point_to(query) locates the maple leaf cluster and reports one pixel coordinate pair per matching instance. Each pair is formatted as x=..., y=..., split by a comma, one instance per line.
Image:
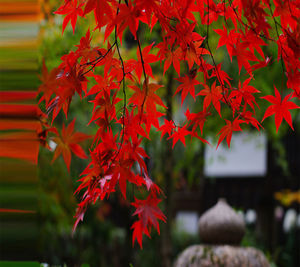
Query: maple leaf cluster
x=117, y=156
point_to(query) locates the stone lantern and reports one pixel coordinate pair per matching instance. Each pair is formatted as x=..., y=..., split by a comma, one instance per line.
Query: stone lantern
x=221, y=229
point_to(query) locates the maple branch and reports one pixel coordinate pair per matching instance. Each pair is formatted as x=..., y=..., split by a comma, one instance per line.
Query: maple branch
x=97, y=60
x=215, y=65
x=281, y=48
x=173, y=19
x=212, y=57
x=282, y=28
x=169, y=113
x=290, y=8
x=248, y=26
x=260, y=34
x=123, y=82
x=141, y=55
x=100, y=57
x=144, y=72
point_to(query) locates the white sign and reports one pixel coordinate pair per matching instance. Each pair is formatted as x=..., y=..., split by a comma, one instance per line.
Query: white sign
x=247, y=156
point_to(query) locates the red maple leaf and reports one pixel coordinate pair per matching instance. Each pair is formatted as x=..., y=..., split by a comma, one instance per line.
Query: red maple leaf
x=167, y=127
x=212, y=95
x=180, y=134
x=122, y=173
x=243, y=56
x=138, y=231
x=248, y=117
x=104, y=106
x=132, y=125
x=127, y=17
x=151, y=186
x=144, y=63
x=245, y=92
x=228, y=129
x=49, y=82
x=198, y=119
x=221, y=75
x=85, y=51
x=147, y=97
x=293, y=83
x=67, y=142
x=71, y=10
x=254, y=42
x=280, y=108
x=171, y=57
x=288, y=12
x=136, y=152
x=102, y=10
x=187, y=86
x=149, y=214
x=227, y=39
x=261, y=64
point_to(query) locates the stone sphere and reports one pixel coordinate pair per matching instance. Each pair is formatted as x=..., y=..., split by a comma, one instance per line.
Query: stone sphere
x=221, y=225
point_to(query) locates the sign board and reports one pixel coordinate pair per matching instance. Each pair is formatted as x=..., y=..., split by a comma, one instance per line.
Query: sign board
x=246, y=157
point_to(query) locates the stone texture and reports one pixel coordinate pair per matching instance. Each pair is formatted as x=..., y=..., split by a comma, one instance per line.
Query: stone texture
x=217, y=256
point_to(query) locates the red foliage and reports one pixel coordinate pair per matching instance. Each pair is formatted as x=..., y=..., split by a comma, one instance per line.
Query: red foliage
x=67, y=142
x=247, y=28
x=280, y=108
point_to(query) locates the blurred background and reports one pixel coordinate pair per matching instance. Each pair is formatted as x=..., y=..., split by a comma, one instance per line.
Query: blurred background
x=259, y=176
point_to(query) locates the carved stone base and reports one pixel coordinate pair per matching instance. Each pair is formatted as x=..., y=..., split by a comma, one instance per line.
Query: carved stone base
x=223, y=255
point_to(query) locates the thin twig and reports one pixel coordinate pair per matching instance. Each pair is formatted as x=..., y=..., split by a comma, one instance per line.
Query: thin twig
x=97, y=60
x=123, y=81
x=144, y=72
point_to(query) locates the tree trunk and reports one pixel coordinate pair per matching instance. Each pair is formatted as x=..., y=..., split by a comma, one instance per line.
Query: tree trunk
x=166, y=244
